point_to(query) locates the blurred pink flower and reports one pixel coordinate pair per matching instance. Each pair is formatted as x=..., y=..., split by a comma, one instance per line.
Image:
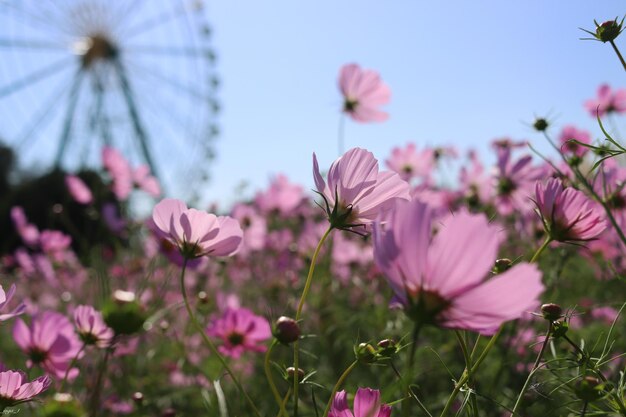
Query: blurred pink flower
x=145, y=181
x=568, y=147
x=78, y=189
x=91, y=327
x=357, y=193
x=240, y=330
x=125, y=178
x=254, y=228
x=27, y=231
x=366, y=404
x=54, y=242
x=607, y=102
x=49, y=342
x=363, y=92
x=5, y=298
x=567, y=214
x=409, y=163
x=281, y=196
x=14, y=388
x=514, y=181
x=196, y=233
x=443, y=280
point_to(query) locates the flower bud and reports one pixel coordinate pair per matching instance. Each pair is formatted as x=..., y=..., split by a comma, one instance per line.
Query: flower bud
x=138, y=398
x=608, y=31
x=291, y=374
x=387, y=348
x=502, y=265
x=589, y=389
x=365, y=353
x=203, y=297
x=123, y=313
x=286, y=330
x=551, y=311
x=540, y=124
x=168, y=412
x=62, y=405
x=559, y=328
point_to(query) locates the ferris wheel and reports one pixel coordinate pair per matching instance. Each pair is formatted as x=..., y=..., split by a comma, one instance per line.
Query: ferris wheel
x=137, y=75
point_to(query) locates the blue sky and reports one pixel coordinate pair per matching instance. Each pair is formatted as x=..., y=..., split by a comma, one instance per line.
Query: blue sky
x=461, y=73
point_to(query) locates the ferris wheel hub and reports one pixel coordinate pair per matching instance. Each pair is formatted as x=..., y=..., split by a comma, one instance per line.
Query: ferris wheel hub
x=94, y=48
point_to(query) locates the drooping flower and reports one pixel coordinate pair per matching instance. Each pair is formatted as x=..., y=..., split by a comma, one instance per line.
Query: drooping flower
x=91, y=327
x=15, y=388
x=240, y=330
x=357, y=193
x=607, y=102
x=443, y=280
x=366, y=404
x=567, y=214
x=78, y=189
x=196, y=233
x=5, y=298
x=363, y=92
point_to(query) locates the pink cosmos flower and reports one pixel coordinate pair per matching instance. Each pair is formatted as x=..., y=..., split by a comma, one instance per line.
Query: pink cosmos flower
x=607, y=102
x=49, y=342
x=409, y=163
x=514, y=181
x=14, y=388
x=363, y=93
x=366, y=404
x=570, y=132
x=567, y=214
x=281, y=196
x=54, y=242
x=443, y=280
x=91, y=328
x=240, y=330
x=145, y=181
x=254, y=228
x=357, y=193
x=5, y=298
x=78, y=189
x=125, y=178
x=196, y=233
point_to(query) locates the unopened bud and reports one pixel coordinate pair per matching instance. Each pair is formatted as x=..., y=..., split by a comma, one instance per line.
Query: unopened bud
x=286, y=330
x=138, y=398
x=387, y=347
x=291, y=374
x=559, y=329
x=551, y=311
x=540, y=124
x=502, y=265
x=365, y=353
x=168, y=412
x=203, y=297
x=123, y=313
x=589, y=389
x=608, y=31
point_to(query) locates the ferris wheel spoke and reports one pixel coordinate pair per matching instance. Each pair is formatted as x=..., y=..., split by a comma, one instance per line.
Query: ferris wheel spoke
x=35, y=77
x=170, y=50
x=42, y=115
x=101, y=121
x=154, y=22
x=123, y=14
x=32, y=18
x=69, y=116
x=32, y=44
x=173, y=83
x=137, y=123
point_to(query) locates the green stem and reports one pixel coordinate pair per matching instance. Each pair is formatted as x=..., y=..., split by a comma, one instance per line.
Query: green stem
x=532, y=371
x=270, y=380
x=210, y=344
x=465, y=376
x=584, y=410
x=72, y=363
x=619, y=55
x=468, y=366
x=284, y=401
x=95, y=397
x=305, y=292
x=543, y=247
x=338, y=385
x=411, y=360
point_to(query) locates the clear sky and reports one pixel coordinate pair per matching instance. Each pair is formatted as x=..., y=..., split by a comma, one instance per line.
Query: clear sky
x=461, y=73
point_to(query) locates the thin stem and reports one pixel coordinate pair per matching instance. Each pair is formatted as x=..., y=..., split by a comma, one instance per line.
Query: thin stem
x=406, y=383
x=305, y=292
x=284, y=401
x=619, y=55
x=468, y=366
x=465, y=376
x=584, y=410
x=270, y=380
x=338, y=385
x=210, y=344
x=543, y=246
x=532, y=371
x=72, y=363
x=95, y=397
